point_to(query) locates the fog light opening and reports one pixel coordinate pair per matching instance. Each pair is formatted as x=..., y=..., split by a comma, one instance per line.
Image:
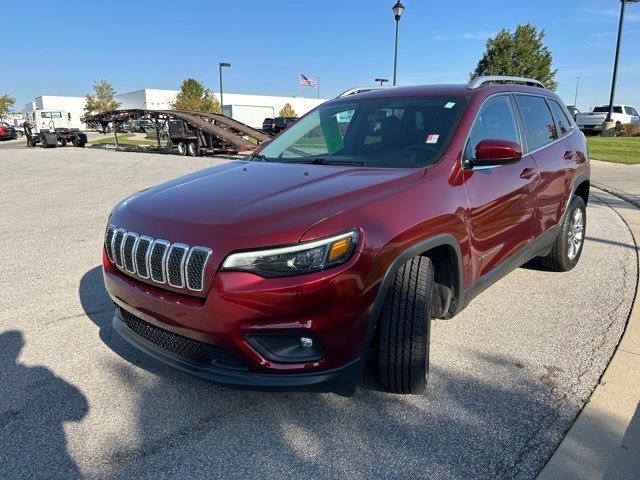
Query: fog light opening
x=286, y=348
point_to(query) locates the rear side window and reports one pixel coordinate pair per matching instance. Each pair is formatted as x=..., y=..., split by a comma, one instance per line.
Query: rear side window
x=558, y=112
x=631, y=111
x=496, y=120
x=539, y=127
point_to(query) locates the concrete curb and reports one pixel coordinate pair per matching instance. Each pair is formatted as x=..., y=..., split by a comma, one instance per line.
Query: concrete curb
x=604, y=441
x=627, y=197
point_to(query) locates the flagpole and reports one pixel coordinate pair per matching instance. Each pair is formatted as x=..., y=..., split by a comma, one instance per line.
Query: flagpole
x=318, y=86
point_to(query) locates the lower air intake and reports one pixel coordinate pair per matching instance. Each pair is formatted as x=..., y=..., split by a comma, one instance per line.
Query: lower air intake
x=187, y=348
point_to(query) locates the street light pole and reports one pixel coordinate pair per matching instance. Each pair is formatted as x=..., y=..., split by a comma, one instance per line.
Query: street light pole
x=615, y=63
x=397, y=9
x=575, y=100
x=381, y=80
x=220, y=65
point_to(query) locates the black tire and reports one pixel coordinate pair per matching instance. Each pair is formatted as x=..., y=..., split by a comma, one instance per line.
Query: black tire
x=182, y=148
x=404, y=330
x=564, y=257
x=192, y=148
x=79, y=140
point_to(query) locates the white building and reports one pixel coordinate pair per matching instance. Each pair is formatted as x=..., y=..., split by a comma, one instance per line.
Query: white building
x=72, y=105
x=249, y=109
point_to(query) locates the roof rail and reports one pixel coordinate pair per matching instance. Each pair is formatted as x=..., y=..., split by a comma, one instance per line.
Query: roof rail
x=353, y=91
x=480, y=81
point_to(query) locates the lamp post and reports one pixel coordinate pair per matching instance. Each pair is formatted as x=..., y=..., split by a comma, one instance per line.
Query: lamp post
x=381, y=80
x=221, y=65
x=575, y=99
x=398, y=8
x=615, y=63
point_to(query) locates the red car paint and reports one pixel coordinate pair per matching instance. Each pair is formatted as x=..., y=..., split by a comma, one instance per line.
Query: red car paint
x=493, y=217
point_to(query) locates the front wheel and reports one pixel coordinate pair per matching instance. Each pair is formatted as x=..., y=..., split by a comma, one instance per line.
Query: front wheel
x=405, y=322
x=567, y=248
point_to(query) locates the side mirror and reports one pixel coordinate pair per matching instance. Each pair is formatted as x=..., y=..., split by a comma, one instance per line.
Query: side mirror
x=490, y=153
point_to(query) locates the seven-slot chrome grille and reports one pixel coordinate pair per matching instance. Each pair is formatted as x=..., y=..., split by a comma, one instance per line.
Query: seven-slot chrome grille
x=175, y=264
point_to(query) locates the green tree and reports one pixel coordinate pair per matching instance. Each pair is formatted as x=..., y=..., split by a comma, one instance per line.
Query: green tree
x=521, y=54
x=6, y=105
x=194, y=96
x=287, y=111
x=102, y=100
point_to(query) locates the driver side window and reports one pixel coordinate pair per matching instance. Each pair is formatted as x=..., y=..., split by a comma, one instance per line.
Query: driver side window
x=495, y=121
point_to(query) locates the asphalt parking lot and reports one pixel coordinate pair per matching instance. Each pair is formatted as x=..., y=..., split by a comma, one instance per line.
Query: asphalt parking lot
x=508, y=375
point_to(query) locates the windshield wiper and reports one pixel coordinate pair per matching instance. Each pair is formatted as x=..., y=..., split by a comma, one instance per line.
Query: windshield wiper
x=259, y=157
x=328, y=161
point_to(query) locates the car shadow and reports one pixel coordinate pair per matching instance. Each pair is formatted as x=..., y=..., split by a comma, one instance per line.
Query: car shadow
x=34, y=406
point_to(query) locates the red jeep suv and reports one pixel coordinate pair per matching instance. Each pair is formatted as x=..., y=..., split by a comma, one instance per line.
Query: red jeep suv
x=342, y=238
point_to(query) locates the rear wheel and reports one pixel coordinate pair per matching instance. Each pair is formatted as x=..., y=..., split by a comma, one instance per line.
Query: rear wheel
x=567, y=248
x=403, y=340
x=182, y=148
x=193, y=149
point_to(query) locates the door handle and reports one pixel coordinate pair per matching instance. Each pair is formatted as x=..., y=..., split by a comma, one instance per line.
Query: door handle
x=527, y=173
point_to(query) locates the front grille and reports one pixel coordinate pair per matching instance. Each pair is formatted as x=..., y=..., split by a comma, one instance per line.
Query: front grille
x=175, y=264
x=188, y=348
x=108, y=238
x=142, y=265
x=127, y=251
x=159, y=260
x=156, y=260
x=117, y=246
x=195, y=267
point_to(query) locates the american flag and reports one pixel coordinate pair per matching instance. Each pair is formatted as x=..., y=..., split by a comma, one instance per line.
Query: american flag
x=307, y=82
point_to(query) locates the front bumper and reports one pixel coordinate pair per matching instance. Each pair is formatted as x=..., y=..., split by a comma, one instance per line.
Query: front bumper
x=326, y=380
x=333, y=307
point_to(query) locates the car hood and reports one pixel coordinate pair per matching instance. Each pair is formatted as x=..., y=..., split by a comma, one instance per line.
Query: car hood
x=242, y=204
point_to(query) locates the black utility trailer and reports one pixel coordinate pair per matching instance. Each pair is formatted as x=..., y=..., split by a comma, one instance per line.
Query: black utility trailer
x=194, y=142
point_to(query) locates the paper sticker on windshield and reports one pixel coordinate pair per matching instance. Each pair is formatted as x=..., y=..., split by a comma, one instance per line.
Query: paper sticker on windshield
x=432, y=138
x=450, y=105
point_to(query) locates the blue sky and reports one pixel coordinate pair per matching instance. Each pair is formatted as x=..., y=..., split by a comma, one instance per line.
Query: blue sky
x=157, y=44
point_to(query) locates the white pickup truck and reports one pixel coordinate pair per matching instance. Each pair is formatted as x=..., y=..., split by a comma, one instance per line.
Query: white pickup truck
x=592, y=121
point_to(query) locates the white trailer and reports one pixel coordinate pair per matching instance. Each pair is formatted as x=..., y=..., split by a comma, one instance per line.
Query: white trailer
x=252, y=115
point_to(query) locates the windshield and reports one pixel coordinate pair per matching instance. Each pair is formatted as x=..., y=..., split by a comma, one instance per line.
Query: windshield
x=378, y=132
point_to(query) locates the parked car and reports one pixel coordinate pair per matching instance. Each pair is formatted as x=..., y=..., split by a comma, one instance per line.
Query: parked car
x=347, y=234
x=573, y=111
x=125, y=127
x=592, y=121
x=143, y=125
x=16, y=128
x=276, y=125
x=7, y=132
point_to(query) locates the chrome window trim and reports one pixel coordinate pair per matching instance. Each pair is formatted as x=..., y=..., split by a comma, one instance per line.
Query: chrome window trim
x=109, y=247
x=146, y=255
x=181, y=268
x=516, y=114
x=133, y=249
x=206, y=250
x=163, y=267
x=115, y=235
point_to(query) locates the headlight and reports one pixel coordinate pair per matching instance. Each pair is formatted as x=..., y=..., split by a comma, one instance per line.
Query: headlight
x=296, y=259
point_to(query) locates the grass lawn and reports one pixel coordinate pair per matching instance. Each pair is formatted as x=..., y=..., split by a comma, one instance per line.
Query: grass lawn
x=615, y=149
x=123, y=140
